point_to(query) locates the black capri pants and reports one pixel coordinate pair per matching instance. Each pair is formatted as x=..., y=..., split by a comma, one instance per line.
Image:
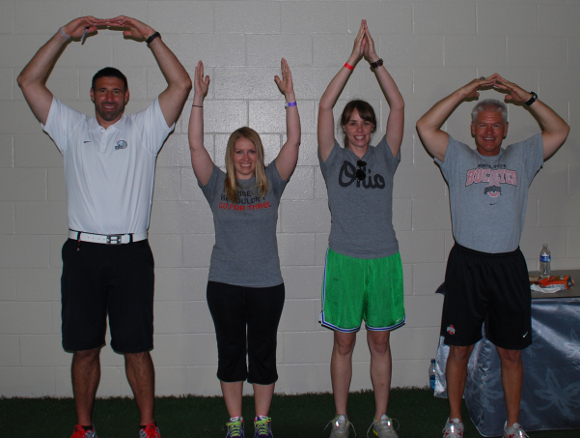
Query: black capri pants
x=246, y=322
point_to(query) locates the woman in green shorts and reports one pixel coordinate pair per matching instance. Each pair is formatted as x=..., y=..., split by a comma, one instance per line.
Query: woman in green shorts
x=363, y=278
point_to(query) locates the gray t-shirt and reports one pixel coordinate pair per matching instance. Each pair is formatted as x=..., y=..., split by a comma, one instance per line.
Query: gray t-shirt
x=488, y=195
x=245, y=251
x=362, y=211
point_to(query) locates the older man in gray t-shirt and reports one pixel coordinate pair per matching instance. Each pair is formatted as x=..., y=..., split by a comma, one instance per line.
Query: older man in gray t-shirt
x=486, y=275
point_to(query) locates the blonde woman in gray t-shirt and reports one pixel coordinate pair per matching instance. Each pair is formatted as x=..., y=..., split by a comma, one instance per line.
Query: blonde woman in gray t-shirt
x=363, y=278
x=245, y=291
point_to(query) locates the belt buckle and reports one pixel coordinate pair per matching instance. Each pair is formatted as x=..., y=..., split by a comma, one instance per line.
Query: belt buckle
x=115, y=239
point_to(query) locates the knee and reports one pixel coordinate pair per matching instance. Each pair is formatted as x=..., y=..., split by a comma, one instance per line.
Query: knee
x=87, y=356
x=344, y=347
x=510, y=357
x=379, y=346
x=459, y=353
x=137, y=358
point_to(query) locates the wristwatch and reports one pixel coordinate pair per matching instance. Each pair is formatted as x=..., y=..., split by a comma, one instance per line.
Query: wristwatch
x=377, y=64
x=532, y=99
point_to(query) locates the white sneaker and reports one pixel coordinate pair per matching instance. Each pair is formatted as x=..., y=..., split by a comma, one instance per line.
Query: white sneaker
x=384, y=428
x=515, y=431
x=453, y=428
x=340, y=427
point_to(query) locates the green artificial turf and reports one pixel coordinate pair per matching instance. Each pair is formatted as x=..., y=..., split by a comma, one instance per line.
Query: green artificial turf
x=419, y=414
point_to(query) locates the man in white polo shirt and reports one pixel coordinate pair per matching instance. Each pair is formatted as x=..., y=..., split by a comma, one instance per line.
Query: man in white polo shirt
x=109, y=163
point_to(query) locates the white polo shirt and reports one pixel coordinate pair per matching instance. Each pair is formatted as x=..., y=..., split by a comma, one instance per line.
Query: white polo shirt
x=109, y=172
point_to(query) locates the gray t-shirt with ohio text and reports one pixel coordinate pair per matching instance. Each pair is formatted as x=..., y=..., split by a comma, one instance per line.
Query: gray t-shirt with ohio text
x=361, y=211
x=246, y=250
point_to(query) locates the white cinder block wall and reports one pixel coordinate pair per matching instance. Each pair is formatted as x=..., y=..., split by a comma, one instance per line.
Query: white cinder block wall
x=430, y=47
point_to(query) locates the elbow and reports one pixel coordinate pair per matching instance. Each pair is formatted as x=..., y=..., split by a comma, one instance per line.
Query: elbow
x=184, y=84
x=187, y=85
x=21, y=81
x=295, y=142
x=27, y=82
x=564, y=134
x=423, y=125
x=323, y=106
x=399, y=106
x=419, y=125
x=560, y=135
x=194, y=147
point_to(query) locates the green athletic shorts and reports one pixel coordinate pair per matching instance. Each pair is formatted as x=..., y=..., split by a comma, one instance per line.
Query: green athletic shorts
x=354, y=289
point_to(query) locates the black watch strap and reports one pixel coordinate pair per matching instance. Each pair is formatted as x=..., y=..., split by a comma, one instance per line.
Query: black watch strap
x=377, y=63
x=532, y=99
x=152, y=37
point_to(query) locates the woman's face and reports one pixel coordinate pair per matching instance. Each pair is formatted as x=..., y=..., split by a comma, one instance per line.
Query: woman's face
x=245, y=157
x=358, y=132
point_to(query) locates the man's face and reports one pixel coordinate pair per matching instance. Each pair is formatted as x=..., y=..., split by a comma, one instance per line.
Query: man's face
x=110, y=98
x=489, y=130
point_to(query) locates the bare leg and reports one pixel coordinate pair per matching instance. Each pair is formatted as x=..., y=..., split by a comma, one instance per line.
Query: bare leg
x=456, y=374
x=512, y=373
x=263, y=398
x=86, y=374
x=341, y=369
x=381, y=369
x=141, y=377
x=232, y=392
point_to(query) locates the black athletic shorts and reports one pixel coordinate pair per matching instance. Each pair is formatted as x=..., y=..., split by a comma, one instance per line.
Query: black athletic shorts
x=491, y=288
x=107, y=280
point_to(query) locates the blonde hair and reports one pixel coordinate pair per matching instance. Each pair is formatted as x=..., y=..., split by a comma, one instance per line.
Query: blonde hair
x=231, y=183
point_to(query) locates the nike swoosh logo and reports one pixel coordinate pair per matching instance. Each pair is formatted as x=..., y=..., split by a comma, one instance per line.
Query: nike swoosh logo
x=87, y=141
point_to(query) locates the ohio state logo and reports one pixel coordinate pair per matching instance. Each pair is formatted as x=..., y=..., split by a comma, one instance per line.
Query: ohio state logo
x=451, y=330
x=494, y=177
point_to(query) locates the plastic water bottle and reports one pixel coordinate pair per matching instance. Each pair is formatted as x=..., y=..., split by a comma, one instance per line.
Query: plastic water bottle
x=432, y=372
x=545, y=258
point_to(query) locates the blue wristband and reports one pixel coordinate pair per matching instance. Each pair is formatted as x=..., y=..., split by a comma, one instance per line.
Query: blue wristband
x=289, y=104
x=65, y=35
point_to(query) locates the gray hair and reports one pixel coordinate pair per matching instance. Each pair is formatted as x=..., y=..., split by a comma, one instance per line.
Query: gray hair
x=490, y=105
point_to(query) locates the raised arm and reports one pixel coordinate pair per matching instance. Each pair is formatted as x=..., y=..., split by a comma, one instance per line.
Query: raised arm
x=172, y=99
x=288, y=156
x=332, y=93
x=396, y=119
x=429, y=126
x=554, y=128
x=32, y=79
x=200, y=159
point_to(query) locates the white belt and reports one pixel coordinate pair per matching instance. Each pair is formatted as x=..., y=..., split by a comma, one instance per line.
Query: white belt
x=110, y=239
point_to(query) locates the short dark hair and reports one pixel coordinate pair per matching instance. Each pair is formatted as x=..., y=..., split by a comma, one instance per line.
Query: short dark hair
x=110, y=72
x=365, y=111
